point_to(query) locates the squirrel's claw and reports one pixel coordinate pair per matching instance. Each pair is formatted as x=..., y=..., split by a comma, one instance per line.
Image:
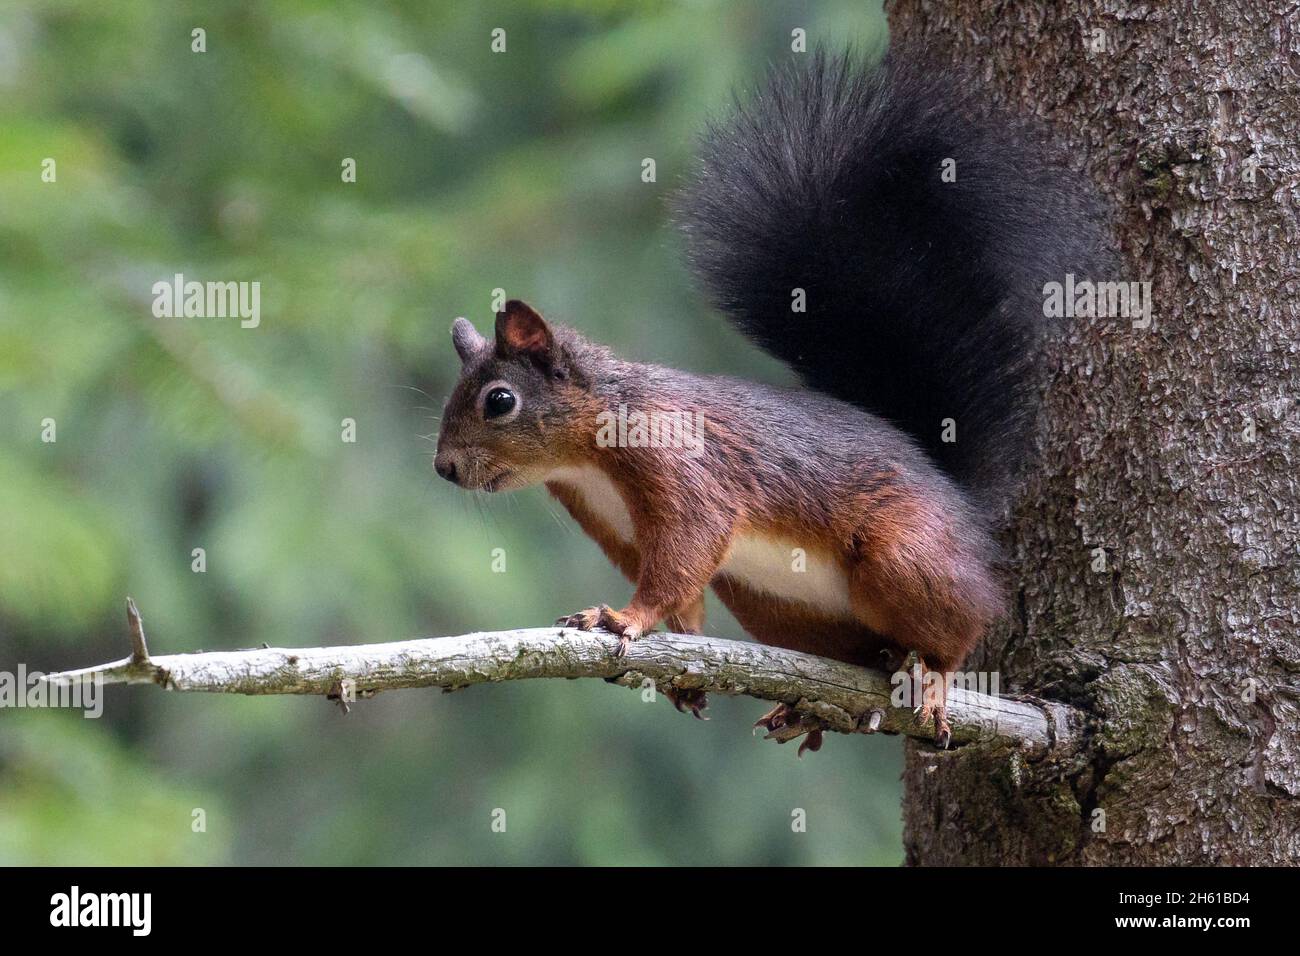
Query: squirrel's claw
x=942, y=729
x=934, y=703
x=784, y=723
x=811, y=741
x=606, y=617
x=692, y=700
x=615, y=623
x=582, y=620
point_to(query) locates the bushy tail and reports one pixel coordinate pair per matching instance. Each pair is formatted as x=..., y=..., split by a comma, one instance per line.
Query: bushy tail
x=923, y=291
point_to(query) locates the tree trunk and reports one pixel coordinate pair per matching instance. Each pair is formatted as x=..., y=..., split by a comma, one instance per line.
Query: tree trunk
x=1172, y=448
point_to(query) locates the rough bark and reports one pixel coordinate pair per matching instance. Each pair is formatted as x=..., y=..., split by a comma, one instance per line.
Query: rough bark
x=1184, y=649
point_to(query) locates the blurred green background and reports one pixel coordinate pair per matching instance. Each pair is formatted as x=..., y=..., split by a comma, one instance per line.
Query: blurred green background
x=475, y=171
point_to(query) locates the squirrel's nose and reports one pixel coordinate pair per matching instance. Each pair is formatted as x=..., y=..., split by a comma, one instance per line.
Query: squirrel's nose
x=445, y=467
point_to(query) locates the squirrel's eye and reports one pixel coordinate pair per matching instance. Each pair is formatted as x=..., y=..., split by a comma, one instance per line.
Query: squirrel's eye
x=498, y=402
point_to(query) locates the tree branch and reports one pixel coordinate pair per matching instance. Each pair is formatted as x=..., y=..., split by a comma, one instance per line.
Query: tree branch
x=842, y=697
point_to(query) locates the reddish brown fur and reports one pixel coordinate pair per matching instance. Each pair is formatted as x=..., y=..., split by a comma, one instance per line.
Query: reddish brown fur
x=791, y=464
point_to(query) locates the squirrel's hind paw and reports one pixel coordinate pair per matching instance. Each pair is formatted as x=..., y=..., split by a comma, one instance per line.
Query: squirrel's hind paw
x=783, y=723
x=693, y=700
x=939, y=711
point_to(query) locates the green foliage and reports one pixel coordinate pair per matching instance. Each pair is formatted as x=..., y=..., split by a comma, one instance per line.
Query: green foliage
x=73, y=796
x=474, y=171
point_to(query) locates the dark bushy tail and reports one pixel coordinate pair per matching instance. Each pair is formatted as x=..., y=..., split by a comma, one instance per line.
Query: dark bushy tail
x=923, y=297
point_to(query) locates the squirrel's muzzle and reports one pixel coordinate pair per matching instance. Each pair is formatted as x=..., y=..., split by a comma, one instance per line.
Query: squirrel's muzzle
x=445, y=466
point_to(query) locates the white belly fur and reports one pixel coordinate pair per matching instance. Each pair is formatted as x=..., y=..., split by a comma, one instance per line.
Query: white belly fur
x=759, y=561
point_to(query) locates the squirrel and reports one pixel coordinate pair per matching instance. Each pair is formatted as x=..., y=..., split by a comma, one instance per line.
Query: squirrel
x=916, y=226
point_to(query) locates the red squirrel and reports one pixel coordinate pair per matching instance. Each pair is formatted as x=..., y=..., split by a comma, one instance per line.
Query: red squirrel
x=888, y=237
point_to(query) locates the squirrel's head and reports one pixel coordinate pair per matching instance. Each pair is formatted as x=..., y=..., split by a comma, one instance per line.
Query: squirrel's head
x=518, y=411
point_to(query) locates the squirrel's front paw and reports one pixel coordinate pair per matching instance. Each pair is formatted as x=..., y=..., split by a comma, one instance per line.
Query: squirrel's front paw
x=582, y=620
x=622, y=624
x=616, y=622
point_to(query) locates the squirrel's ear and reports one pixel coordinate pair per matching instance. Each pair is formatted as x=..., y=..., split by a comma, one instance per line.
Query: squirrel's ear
x=521, y=330
x=466, y=339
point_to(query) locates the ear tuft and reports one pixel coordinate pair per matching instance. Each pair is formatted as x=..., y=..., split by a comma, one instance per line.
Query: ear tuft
x=467, y=341
x=522, y=330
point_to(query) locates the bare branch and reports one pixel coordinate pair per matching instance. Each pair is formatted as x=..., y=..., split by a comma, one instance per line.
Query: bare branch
x=842, y=697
